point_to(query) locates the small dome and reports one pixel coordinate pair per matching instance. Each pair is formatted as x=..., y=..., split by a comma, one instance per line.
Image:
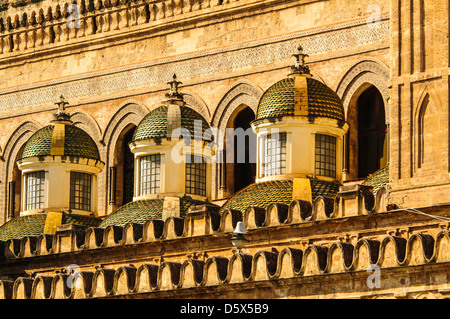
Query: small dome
x=155, y=124
x=140, y=211
x=77, y=143
x=279, y=100
x=33, y=225
x=278, y=191
x=378, y=179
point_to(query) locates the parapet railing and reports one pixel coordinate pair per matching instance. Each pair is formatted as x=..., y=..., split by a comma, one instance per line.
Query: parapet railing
x=82, y=19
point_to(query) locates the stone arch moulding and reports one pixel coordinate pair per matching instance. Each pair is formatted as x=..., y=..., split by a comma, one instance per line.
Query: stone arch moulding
x=12, y=147
x=426, y=92
x=242, y=92
x=87, y=123
x=130, y=112
x=428, y=98
x=371, y=72
x=196, y=103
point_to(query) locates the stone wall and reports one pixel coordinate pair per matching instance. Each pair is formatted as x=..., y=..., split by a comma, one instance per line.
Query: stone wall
x=419, y=123
x=225, y=53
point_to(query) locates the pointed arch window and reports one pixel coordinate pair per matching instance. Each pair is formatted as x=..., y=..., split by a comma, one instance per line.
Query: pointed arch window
x=372, y=130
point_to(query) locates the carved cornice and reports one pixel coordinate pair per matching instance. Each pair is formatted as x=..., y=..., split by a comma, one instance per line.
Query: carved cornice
x=331, y=41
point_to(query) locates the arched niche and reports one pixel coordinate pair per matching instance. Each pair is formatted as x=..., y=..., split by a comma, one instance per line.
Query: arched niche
x=366, y=80
x=428, y=132
x=127, y=117
x=11, y=189
x=242, y=96
x=240, y=151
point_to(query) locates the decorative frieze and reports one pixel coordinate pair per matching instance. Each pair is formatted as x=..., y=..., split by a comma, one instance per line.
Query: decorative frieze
x=336, y=40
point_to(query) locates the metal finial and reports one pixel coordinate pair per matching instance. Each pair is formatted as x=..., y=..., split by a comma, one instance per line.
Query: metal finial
x=61, y=104
x=61, y=114
x=174, y=86
x=299, y=67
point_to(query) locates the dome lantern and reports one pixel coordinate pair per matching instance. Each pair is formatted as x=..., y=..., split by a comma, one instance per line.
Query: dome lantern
x=299, y=127
x=171, y=143
x=172, y=172
x=60, y=163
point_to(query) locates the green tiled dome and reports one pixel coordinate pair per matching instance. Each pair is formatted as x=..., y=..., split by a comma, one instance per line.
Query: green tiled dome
x=280, y=191
x=154, y=124
x=33, y=225
x=278, y=100
x=77, y=143
x=378, y=179
x=140, y=211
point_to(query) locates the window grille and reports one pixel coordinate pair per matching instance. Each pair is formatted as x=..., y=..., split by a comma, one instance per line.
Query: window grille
x=149, y=174
x=35, y=190
x=80, y=191
x=274, y=154
x=325, y=159
x=195, y=182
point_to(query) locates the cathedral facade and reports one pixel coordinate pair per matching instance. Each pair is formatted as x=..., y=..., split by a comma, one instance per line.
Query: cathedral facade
x=224, y=149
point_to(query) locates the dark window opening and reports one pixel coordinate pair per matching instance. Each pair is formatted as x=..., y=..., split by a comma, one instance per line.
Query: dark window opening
x=244, y=173
x=128, y=169
x=372, y=131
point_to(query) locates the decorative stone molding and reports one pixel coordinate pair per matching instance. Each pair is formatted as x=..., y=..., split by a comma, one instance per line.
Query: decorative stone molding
x=334, y=41
x=17, y=139
x=202, y=221
x=290, y=263
x=366, y=71
x=242, y=92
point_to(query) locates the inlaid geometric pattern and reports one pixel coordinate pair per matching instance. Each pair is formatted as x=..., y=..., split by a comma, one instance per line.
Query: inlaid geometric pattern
x=329, y=40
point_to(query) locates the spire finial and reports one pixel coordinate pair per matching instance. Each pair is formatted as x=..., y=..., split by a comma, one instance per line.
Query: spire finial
x=61, y=115
x=299, y=67
x=174, y=86
x=61, y=104
x=173, y=94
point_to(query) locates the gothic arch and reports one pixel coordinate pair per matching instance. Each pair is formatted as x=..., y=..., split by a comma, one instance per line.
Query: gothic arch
x=14, y=144
x=360, y=76
x=242, y=92
x=427, y=91
x=87, y=123
x=129, y=114
x=240, y=95
x=195, y=102
x=427, y=125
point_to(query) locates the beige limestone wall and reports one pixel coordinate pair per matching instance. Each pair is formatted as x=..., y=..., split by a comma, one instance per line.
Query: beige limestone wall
x=224, y=55
x=419, y=118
